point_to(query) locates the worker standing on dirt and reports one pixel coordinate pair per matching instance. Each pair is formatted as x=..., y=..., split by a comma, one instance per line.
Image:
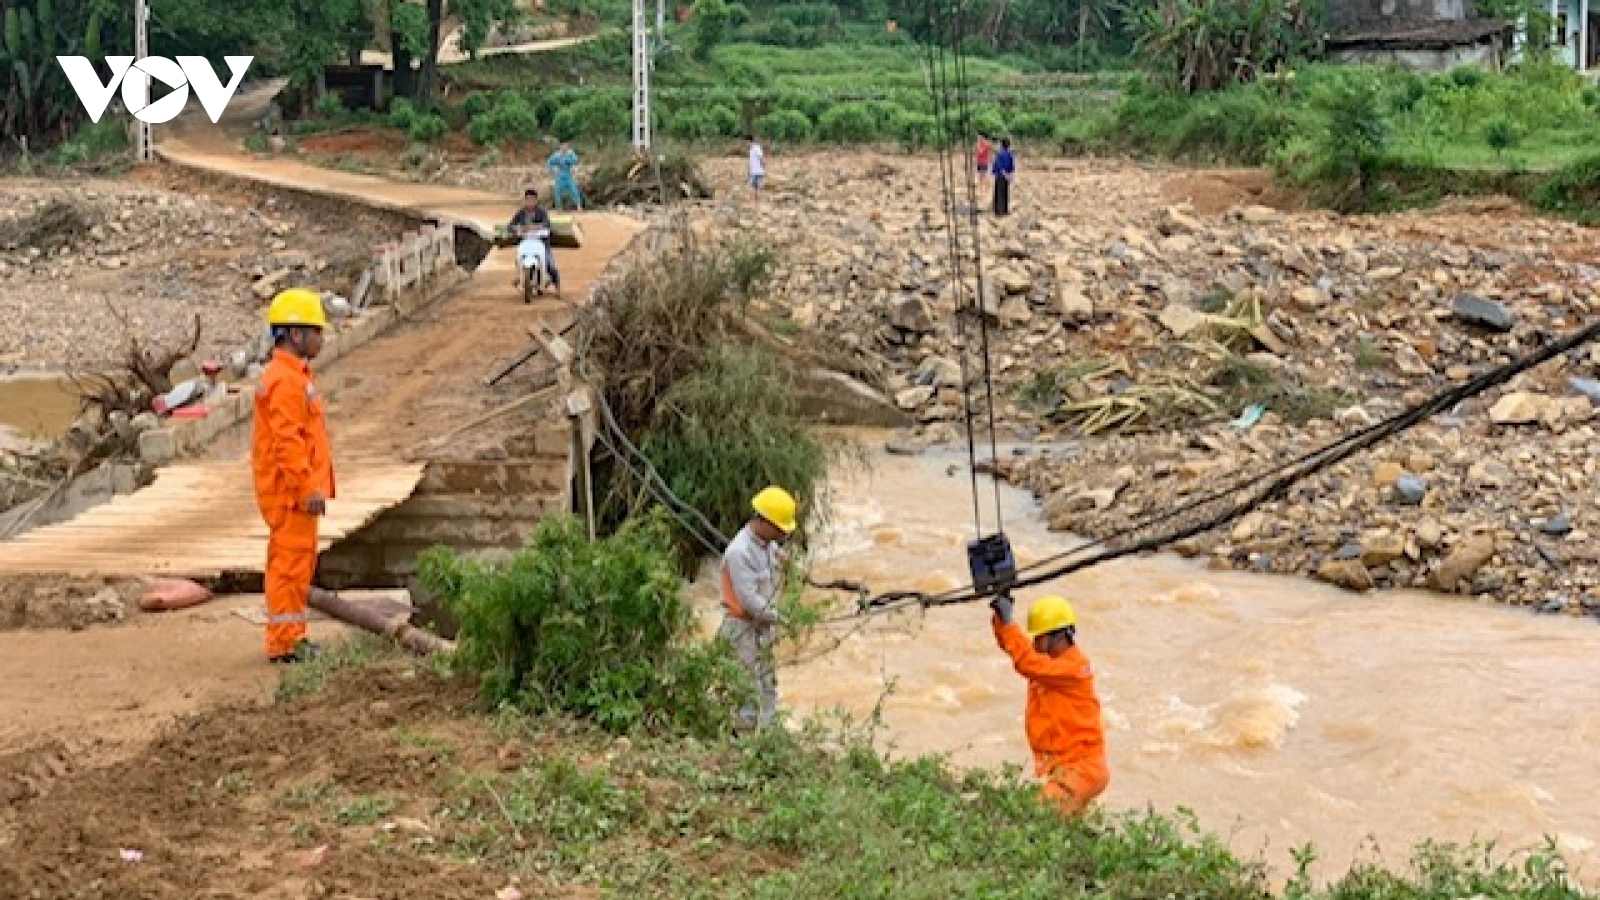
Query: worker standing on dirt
x=1005, y=169
x=561, y=165
x=293, y=467
x=752, y=582
x=1063, y=715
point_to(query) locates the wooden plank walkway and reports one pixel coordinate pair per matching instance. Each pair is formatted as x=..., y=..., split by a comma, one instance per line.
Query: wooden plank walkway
x=198, y=520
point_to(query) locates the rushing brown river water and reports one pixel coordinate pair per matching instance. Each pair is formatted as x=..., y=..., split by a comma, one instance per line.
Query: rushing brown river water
x=1280, y=711
x=36, y=406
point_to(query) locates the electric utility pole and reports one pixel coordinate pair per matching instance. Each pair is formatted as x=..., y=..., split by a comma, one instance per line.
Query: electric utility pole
x=641, y=79
x=145, y=139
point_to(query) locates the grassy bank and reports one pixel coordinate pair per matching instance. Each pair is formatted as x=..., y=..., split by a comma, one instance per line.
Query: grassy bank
x=1401, y=137
x=545, y=799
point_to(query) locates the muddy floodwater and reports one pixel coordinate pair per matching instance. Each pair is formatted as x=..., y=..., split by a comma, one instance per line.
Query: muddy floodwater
x=1279, y=710
x=36, y=406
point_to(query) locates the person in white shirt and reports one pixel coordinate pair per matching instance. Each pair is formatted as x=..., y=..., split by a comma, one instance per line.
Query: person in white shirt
x=758, y=167
x=752, y=582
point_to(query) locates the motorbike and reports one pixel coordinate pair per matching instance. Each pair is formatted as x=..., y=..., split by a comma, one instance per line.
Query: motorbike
x=533, y=262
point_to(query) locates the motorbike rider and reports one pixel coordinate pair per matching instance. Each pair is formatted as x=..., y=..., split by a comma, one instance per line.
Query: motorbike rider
x=525, y=224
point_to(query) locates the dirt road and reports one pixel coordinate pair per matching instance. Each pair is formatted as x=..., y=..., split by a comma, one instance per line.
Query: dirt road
x=104, y=692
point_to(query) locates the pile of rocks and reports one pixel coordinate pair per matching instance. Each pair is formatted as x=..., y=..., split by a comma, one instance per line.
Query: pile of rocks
x=1383, y=308
x=1379, y=313
x=86, y=266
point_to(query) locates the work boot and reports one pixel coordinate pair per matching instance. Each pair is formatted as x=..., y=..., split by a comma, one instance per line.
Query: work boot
x=304, y=651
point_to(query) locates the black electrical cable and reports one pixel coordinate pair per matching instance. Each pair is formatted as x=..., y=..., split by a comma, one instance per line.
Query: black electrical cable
x=964, y=119
x=943, y=127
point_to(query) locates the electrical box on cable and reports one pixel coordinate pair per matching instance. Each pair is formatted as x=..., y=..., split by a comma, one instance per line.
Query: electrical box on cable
x=994, y=568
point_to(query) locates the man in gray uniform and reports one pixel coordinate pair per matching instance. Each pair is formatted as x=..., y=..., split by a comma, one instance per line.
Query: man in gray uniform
x=752, y=569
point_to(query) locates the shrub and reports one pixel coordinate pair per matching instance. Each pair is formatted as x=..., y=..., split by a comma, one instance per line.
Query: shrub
x=599, y=630
x=510, y=119
x=848, y=123
x=787, y=125
x=402, y=113
x=691, y=124
x=1243, y=125
x=1573, y=190
x=1501, y=136
x=429, y=128
x=917, y=131
x=1467, y=76
x=598, y=115
x=330, y=105
x=988, y=119
x=94, y=141
x=699, y=124
x=727, y=429
x=724, y=122
x=712, y=19
x=477, y=103
x=1035, y=126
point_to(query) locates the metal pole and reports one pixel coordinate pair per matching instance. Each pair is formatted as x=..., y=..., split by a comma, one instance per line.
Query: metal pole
x=145, y=139
x=641, y=79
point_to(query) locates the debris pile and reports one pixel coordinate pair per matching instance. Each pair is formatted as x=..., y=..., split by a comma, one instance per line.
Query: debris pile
x=1207, y=347
x=79, y=261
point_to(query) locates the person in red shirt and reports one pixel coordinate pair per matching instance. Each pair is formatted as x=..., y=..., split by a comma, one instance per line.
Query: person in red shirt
x=1063, y=713
x=292, y=462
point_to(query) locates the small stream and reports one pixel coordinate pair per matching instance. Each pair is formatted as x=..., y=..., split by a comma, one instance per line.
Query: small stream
x=1279, y=710
x=35, y=407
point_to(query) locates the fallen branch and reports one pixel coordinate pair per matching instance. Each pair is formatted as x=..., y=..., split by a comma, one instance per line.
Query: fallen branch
x=397, y=629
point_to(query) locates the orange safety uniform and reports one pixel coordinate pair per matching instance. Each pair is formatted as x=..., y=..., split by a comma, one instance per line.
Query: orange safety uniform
x=1063, y=720
x=292, y=459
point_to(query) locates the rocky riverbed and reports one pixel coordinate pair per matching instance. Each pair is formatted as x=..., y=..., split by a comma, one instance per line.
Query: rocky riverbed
x=1153, y=307
x=87, y=266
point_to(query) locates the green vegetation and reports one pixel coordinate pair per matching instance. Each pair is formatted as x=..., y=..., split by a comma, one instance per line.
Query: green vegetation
x=1375, y=138
x=597, y=630
x=562, y=805
x=713, y=412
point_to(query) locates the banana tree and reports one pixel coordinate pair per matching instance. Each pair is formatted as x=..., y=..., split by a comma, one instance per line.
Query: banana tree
x=38, y=98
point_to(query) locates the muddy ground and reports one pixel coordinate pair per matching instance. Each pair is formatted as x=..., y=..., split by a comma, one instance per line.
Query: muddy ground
x=342, y=794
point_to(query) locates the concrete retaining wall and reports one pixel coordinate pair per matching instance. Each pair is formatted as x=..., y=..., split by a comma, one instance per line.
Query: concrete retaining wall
x=467, y=505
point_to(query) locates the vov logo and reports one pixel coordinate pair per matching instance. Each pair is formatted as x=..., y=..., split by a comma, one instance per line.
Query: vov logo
x=187, y=72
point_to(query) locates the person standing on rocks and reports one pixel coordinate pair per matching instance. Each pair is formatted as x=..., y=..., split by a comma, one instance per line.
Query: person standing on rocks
x=292, y=462
x=1005, y=169
x=752, y=582
x=758, y=168
x=983, y=158
x=1063, y=714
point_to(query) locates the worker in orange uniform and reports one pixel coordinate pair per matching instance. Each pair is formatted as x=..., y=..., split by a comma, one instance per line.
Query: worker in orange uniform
x=1063, y=716
x=293, y=466
x=752, y=583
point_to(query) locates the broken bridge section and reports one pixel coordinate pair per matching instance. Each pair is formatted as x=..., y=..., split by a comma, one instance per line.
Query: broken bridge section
x=198, y=520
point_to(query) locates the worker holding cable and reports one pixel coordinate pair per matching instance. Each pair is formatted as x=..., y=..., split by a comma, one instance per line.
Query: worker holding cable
x=752, y=582
x=1063, y=715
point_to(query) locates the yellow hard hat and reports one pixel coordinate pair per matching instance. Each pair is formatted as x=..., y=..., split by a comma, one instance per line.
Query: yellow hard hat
x=297, y=306
x=1050, y=614
x=777, y=506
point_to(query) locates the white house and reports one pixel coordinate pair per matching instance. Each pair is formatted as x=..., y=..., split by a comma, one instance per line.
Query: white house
x=1577, y=33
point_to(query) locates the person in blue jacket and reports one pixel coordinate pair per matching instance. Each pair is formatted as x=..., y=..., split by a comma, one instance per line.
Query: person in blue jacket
x=561, y=164
x=1005, y=169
